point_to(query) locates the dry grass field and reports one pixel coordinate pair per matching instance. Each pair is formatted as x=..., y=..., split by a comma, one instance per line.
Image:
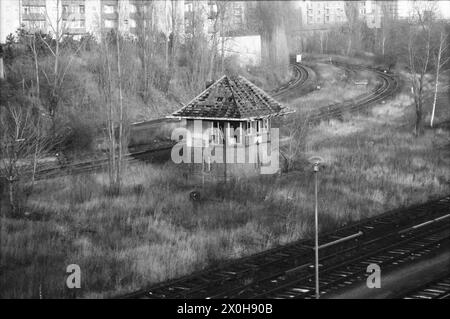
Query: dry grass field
x=152, y=231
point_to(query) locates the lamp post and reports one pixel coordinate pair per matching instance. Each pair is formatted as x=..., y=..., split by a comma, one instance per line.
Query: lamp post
x=316, y=227
x=316, y=161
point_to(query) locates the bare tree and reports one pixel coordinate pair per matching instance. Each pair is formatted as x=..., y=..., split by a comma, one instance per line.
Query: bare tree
x=107, y=81
x=22, y=143
x=214, y=16
x=440, y=63
x=59, y=68
x=174, y=41
x=419, y=56
x=223, y=8
x=353, y=23
x=145, y=39
x=118, y=178
x=110, y=79
x=272, y=15
x=32, y=45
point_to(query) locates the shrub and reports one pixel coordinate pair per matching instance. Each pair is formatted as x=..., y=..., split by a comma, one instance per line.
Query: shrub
x=80, y=137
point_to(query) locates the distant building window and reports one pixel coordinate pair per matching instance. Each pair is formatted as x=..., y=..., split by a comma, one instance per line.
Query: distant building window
x=35, y=25
x=110, y=23
x=81, y=9
x=33, y=9
x=65, y=9
x=108, y=9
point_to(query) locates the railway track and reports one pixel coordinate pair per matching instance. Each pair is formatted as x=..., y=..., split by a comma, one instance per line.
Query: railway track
x=437, y=289
x=301, y=76
x=399, y=249
x=95, y=165
x=388, y=86
x=390, y=239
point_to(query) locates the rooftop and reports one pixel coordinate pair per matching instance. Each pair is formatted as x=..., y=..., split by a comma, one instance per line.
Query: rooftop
x=232, y=99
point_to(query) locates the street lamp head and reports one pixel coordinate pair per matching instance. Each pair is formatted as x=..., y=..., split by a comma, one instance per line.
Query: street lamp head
x=316, y=161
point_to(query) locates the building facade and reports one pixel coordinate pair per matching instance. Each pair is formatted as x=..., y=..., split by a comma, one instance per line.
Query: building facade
x=79, y=17
x=325, y=14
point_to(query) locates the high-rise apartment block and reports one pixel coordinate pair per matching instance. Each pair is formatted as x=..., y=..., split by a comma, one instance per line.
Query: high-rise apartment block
x=79, y=17
x=328, y=13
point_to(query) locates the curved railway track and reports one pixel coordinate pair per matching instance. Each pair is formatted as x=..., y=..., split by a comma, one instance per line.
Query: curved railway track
x=391, y=239
x=388, y=86
x=300, y=78
x=437, y=289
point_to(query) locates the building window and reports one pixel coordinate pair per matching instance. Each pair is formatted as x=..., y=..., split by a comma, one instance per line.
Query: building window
x=35, y=25
x=216, y=136
x=34, y=10
x=108, y=9
x=81, y=9
x=65, y=9
x=235, y=132
x=110, y=23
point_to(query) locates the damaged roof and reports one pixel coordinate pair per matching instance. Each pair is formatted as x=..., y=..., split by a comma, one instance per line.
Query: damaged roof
x=233, y=98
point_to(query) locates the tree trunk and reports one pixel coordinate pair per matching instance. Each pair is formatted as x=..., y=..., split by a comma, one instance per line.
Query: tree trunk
x=2, y=72
x=349, y=47
x=11, y=196
x=119, y=73
x=222, y=62
x=419, y=124
x=111, y=126
x=36, y=68
x=436, y=85
x=435, y=94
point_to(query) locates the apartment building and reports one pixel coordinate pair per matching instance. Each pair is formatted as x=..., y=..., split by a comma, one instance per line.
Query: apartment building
x=79, y=17
x=239, y=16
x=324, y=14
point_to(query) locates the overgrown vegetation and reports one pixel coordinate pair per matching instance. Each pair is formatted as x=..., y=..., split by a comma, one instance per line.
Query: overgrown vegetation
x=152, y=231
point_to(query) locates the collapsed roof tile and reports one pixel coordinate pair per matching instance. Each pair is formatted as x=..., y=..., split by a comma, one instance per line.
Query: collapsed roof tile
x=232, y=99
